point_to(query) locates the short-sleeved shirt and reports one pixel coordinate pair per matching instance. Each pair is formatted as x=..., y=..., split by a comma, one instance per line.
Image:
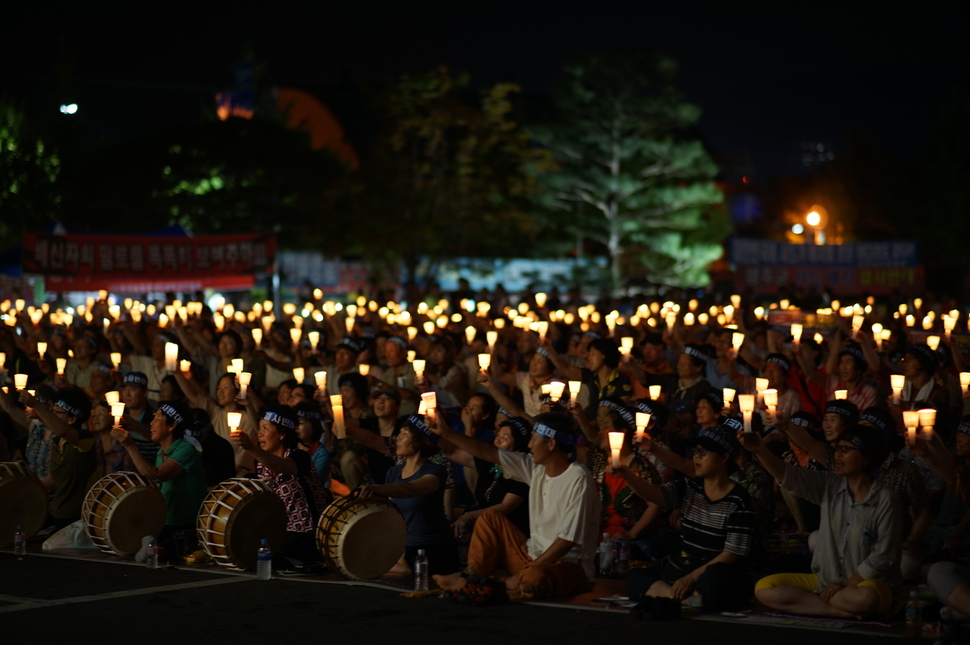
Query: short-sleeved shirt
x=493, y=486
x=303, y=494
x=566, y=506
x=183, y=494
x=711, y=527
x=617, y=387
x=424, y=515
x=71, y=468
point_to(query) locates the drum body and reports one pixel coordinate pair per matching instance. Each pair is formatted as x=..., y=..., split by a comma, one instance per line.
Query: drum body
x=361, y=538
x=23, y=501
x=235, y=516
x=121, y=509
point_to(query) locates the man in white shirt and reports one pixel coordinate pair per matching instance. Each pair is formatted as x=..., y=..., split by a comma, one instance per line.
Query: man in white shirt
x=564, y=510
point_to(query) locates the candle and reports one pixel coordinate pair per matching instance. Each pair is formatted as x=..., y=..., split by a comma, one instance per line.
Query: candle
x=470, y=334
x=430, y=400
x=911, y=419
x=171, y=357
x=314, y=338
x=112, y=397
x=949, y=323
x=746, y=405
x=422, y=408
x=642, y=420
x=796, y=333
x=336, y=399
x=61, y=365
x=338, y=421
x=556, y=390
x=321, y=379
x=841, y=395
x=419, y=365
x=737, y=339
x=117, y=411
x=234, y=419
x=20, y=381
x=965, y=381
x=244, y=379
x=364, y=369
x=546, y=389
x=933, y=342
x=542, y=328
x=185, y=366
x=927, y=419
x=295, y=335
x=299, y=374
x=540, y=300
x=728, y=395
x=771, y=402
x=41, y=348
x=760, y=385
x=411, y=355
x=856, y=325
x=491, y=337
x=257, y=335
x=484, y=361
x=627, y=342
x=575, y=386
x=616, y=442
x=3, y=360
x=897, y=382
x=654, y=392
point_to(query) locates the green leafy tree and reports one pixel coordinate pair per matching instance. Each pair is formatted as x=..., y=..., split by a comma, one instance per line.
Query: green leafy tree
x=449, y=175
x=29, y=168
x=631, y=175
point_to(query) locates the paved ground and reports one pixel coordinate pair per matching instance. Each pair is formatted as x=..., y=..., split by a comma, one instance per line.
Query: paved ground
x=48, y=600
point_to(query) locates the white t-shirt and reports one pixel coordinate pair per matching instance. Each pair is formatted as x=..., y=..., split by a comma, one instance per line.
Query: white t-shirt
x=566, y=506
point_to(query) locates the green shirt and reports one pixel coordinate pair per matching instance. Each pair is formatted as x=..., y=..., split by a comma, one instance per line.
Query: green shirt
x=71, y=467
x=183, y=494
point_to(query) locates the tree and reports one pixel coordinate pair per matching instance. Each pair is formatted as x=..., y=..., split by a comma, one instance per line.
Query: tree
x=447, y=177
x=29, y=167
x=630, y=173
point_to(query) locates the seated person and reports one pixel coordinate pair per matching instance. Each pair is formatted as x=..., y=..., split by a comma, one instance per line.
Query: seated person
x=557, y=558
x=858, y=544
x=493, y=490
x=227, y=389
x=109, y=455
x=289, y=472
x=179, y=472
x=705, y=567
x=417, y=488
x=309, y=428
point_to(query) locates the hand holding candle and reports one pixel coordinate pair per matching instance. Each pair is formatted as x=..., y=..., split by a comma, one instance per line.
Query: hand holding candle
x=117, y=411
x=771, y=403
x=746, y=405
x=616, y=443
x=555, y=392
x=911, y=421
x=484, y=362
x=642, y=421
x=927, y=419
x=654, y=392
x=234, y=420
x=576, y=386
x=20, y=381
x=244, y=379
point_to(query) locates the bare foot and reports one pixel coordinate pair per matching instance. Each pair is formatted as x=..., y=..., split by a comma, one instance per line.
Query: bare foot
x=451, y=582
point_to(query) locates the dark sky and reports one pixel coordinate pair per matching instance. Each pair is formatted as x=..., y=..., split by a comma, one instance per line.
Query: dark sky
x=766, y=76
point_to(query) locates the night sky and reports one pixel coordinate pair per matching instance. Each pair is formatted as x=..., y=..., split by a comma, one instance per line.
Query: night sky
x=767, y=77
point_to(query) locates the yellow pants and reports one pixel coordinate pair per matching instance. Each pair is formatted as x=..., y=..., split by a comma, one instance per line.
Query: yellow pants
x=809, y=582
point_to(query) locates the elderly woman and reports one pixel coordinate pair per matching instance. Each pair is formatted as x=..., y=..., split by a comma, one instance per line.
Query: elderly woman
x=858, y=546
x=178, y=470
x=417, y=489
x=290, y=473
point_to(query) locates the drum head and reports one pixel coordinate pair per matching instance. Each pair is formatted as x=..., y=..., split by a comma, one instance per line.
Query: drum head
x=23, y=501
x=258, y=516
x=137, y=513
x=370, y=543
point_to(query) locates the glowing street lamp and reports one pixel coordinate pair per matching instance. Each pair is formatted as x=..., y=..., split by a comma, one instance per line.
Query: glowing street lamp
x=816, y=219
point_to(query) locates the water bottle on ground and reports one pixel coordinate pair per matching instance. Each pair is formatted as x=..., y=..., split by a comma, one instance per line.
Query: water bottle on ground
x=463, y=542
x=264, y=561
x=151, y=559
x=606, y=554
x=19, y=543
x=914, y=622
x=421, y=571
x=623, y=563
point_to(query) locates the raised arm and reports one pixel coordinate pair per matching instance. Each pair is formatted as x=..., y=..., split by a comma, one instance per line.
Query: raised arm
x=51, y=420
x=169, y=469
x=569, y=371
x=18, y=416
x=645, y=490
x=474, y=447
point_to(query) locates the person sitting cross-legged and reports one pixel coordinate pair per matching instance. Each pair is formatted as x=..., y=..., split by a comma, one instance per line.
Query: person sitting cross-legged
x=564, y=512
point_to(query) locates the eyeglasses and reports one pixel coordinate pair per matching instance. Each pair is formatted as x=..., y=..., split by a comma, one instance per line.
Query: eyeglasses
x=843, y=450
x=700, y=451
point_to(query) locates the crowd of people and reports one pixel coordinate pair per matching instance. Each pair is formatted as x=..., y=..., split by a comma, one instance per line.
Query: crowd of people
x=694, y=431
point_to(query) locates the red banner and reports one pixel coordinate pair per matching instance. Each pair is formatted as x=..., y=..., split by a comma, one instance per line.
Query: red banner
x=135, y=264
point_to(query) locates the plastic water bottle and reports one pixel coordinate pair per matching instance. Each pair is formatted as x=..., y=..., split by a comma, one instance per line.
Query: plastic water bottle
x=914, y=623
x=623, y=564
x=264, y=561
x=19, y=543
x=606, y=554
x=421, y=571
x=151, y=559
x=463, y=542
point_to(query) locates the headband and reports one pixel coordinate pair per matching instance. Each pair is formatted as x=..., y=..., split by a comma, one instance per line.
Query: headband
x=593, y=335
x=623, y=411
x=519, y=426
x=505, y=412
x=551, y=433
x=964, y=428
x=924, y=352
x=312, y=415
x=643, y=407
x=67, y=407
x=804, y=421
x=696, y=353
x=349, y=343
x=136, y=378
x=855, y=441
x=416, y=422
x=855, y=352
x=278, y=419
x=780, y=359
x=843, y=411
x=542, y=351
x=733, y=424
x=875, y=420
x=170, y=412
x=400, y=342
x=718, y=438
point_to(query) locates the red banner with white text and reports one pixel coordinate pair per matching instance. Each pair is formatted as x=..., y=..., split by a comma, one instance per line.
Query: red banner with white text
x=138, y=264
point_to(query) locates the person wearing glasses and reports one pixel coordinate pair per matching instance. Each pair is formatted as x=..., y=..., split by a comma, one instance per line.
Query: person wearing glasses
x=855, y=568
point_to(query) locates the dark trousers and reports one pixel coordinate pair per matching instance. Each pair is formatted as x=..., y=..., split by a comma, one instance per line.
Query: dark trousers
x=722, y=587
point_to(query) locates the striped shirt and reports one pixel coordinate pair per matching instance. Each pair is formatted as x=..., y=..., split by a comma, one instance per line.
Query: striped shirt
x=708, y=528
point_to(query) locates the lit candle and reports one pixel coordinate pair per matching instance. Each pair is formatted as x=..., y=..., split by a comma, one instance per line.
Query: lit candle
x=737, y=339
x=234, y=420
x=728, y=396
x=185, y=366
x=299, y=373
x=575, y=386
x=430, y=400
x=760, y=385
x=616, y=442
x=841, y=395
x=171, y=357
x=927, y=419
x=338, y=421
x=20, y=381
x=897, y=382
x=654, y=392
x=949, y=323
x=543, y=327
x=796, y=333
x=856, y=325
x=771, y=402
x=61, y=365
x=321, y=379
x=364, y=369
x=911, y=421
x=3, y=360
x=540, y=300
x=115, y=359
x=470, y=334
x=746, y=405
x=244, y=379
x=295, y=335
x=422, y=408
x=41, y=348
x=642, y=420
x=314, y=338
x=484, y=361
x=491, y=337
x=556, y=390
x=112, y=397
x=411, y=355
x=965, y=381
x=257, y=335
x=933, y=342
x=546, y=389
x=117, y=411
